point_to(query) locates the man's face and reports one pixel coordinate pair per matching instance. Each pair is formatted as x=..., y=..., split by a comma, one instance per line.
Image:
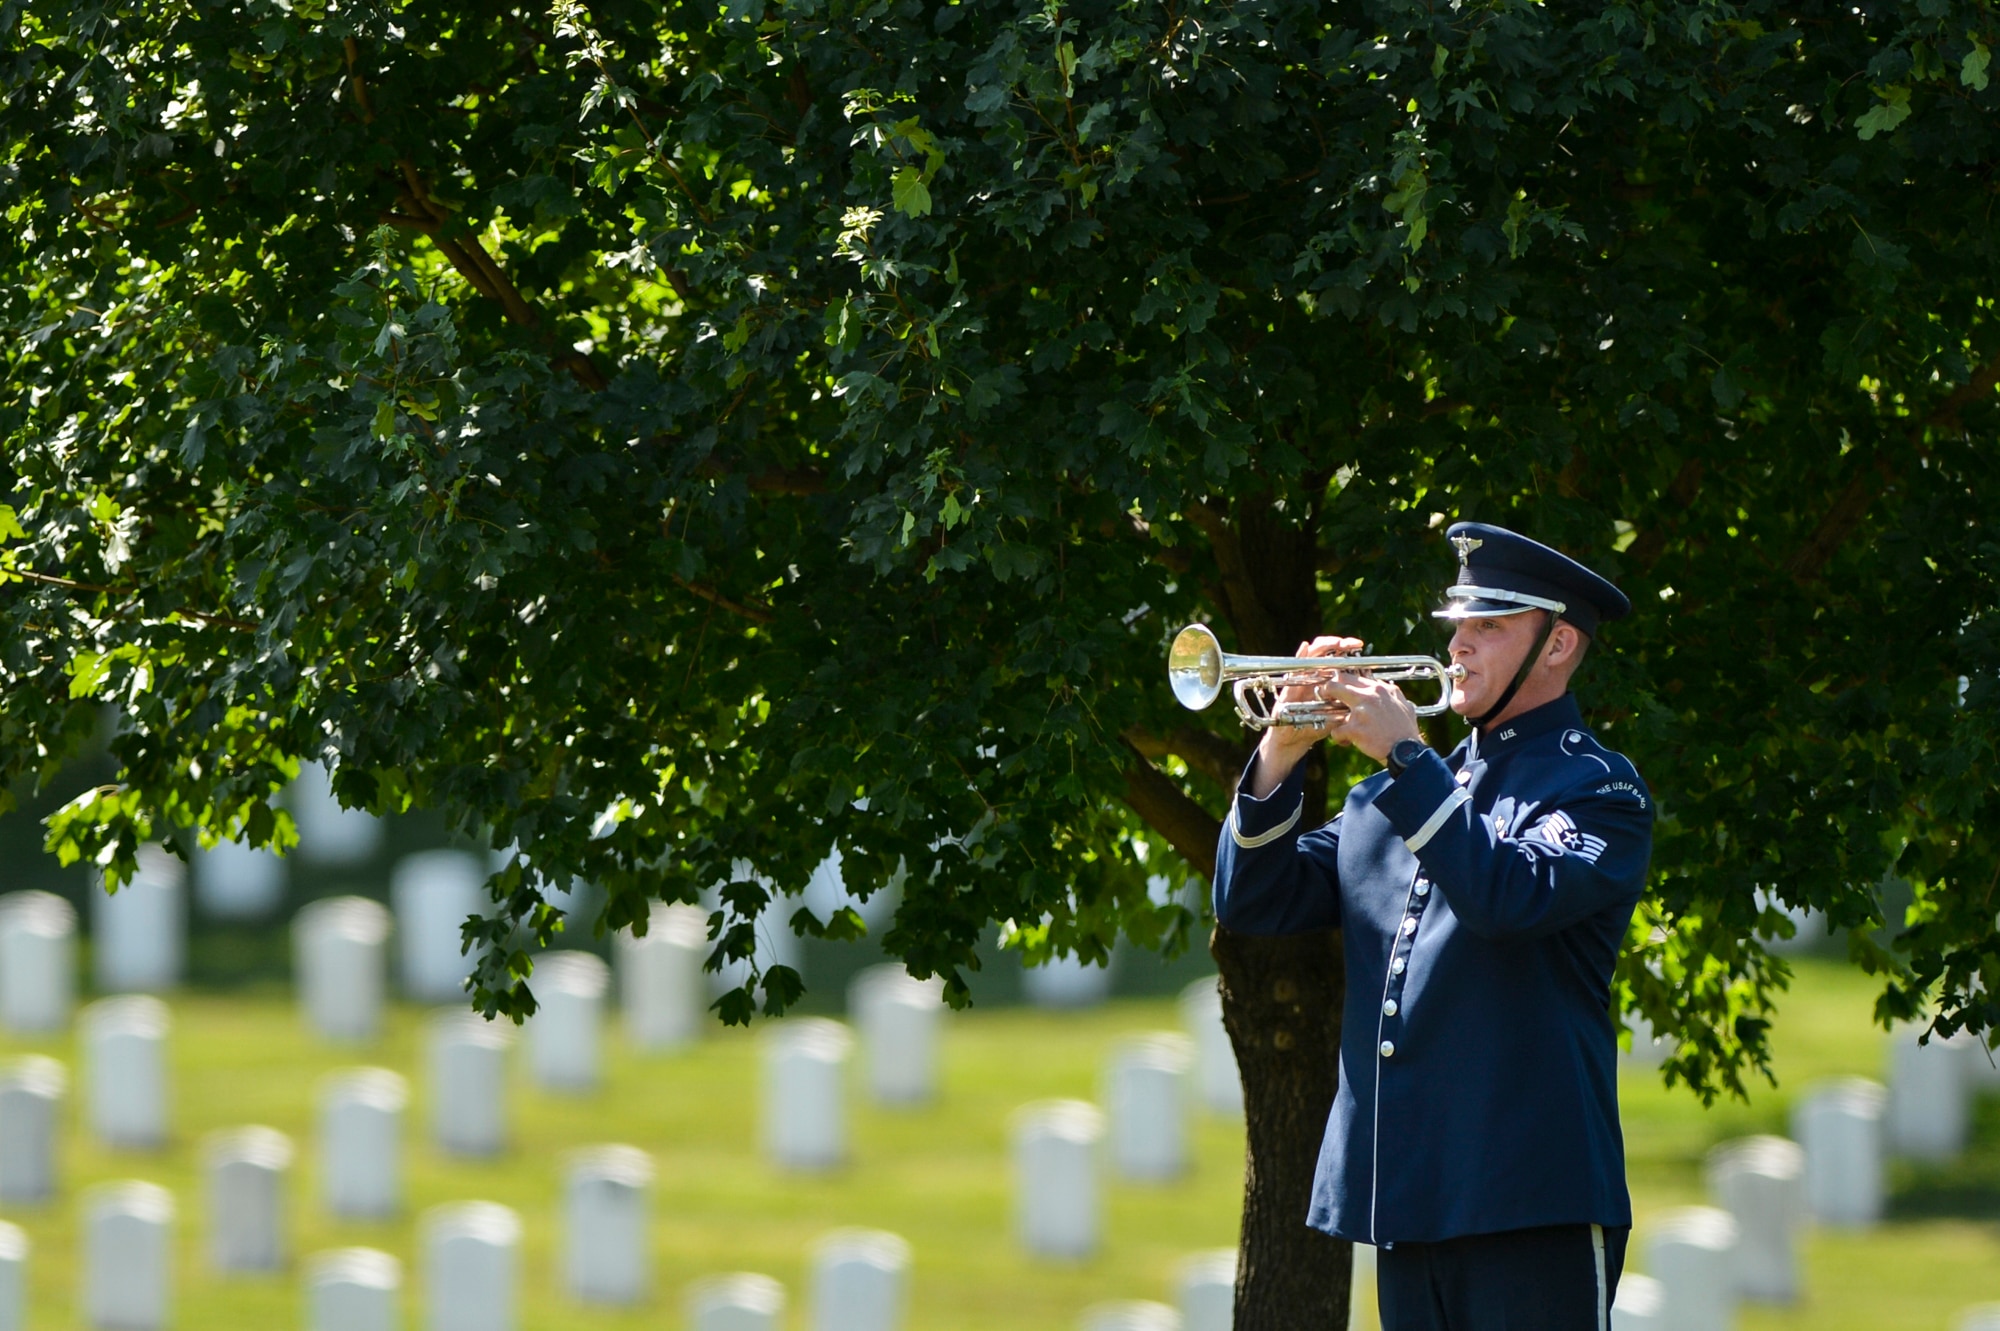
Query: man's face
x=1491, y=650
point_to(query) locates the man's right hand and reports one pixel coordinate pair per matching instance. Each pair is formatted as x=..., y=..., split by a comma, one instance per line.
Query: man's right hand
x=1283, y=746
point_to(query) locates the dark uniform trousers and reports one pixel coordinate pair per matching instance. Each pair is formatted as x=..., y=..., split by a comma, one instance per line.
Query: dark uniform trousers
x=1553, y=1278
x=1482, y=899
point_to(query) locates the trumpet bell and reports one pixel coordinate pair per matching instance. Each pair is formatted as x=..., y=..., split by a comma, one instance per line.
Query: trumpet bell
x=1194, y=667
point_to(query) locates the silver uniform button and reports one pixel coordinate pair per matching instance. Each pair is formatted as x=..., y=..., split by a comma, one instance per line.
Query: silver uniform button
x=1423, y=888
x=1388, y=1049
x=1409, y=926
x=1389, y=1008
x=1396, y=966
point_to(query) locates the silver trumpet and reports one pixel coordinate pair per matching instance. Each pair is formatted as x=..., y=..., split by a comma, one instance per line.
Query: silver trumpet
x=1197, y=667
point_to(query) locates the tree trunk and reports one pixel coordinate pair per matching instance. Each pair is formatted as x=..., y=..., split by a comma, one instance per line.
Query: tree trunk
x=1281, y=1001
x=1281, y=997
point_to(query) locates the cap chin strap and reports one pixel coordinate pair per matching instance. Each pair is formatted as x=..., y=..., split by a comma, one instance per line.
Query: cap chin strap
x=1520, y=676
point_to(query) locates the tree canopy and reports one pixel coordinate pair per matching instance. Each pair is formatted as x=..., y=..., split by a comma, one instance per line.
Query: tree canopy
x=681, y=440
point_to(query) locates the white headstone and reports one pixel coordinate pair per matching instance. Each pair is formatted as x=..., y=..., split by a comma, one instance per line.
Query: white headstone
x=607, y=1230
x=37, y=962
x=740, y=1302
x=353, y=1289
x=340, y=954
x=897, y=1018
x=1066, y=982
x=1810, y=927
x=860, y=1281
x=1056, y=1202
x=1129, y=1315
x=329, y=834
x=1930, y=1098
x=826, y=892
x=468, y=1078
x=470, y=1262
x=660, y=982
x=361, y=1143
x=432, y=893
x=1760, y=1181
x=1981, y=1317
x=139, y=934
x=1640, y=1305
x=14, y=1248
x=31, y=1095
x=776, y=943
x=805, y=1110
x=1839, y=1125
x=565, y=1041
x=1146, y=1094
x=1691, y=1252
x=236, y=881
x=124, y=1058
x=1207, y=1291
x=1982, y=1065
x=128, y=1257
x=246, y=1172
x=1217, y=1080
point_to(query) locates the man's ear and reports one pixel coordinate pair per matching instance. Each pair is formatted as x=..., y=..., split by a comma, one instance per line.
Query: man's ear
x=1566, y=644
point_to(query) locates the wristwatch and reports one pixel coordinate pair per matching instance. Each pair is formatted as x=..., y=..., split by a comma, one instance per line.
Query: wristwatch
x=1405, y=752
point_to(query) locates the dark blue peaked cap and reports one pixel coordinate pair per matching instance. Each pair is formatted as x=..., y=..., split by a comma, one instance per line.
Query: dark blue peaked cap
x=1504, y=573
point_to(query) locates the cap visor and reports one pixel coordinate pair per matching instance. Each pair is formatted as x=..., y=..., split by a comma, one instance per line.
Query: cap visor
x=1473, y=607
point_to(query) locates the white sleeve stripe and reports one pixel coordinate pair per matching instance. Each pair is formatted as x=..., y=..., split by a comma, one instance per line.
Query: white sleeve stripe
x=1444, y=811
x=1263, y=838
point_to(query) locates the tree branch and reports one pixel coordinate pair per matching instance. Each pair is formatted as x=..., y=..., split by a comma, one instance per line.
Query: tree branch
x=752, y=611
x=1213, y=755
x=463, y=252
x=775, y=481
x=1856, y=497
x=71, y=585
x=1188, y=827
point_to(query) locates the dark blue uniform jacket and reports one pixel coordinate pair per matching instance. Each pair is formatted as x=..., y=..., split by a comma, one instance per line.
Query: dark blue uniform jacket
x=1482, y=900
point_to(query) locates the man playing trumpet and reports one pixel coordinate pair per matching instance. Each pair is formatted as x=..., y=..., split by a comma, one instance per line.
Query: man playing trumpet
x=1482, y=899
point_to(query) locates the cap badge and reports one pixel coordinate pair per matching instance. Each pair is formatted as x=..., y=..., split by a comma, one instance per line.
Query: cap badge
x=1465, y=545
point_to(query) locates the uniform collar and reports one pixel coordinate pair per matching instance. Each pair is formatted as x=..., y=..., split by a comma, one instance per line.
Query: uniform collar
x=1511, y=733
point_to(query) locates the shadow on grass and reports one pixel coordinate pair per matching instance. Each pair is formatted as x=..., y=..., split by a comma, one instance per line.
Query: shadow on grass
x=1966, y=1189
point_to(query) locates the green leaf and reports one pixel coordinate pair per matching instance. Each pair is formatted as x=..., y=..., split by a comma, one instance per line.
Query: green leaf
x=10, y=525
x=1406, y=200
x=911, y=196
x=385, y=419
x=1066, y=63
x=1519, y=211
x=88, y=671
x=1893, y=111
x=1972, y=69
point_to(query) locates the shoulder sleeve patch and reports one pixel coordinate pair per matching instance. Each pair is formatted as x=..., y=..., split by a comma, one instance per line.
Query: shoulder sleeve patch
x=1628, y=788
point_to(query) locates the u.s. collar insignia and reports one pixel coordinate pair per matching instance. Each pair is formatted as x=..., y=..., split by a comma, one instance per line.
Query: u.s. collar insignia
x=1465, y=545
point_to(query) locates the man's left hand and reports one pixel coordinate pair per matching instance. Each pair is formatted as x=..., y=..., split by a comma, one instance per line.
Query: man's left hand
x=1378, y=715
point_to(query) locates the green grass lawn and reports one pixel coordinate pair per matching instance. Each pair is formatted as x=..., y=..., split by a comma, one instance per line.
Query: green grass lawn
x=938, y=1176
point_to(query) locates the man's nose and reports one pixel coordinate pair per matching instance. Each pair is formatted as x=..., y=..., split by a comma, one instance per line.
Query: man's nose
x=1461, y=641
